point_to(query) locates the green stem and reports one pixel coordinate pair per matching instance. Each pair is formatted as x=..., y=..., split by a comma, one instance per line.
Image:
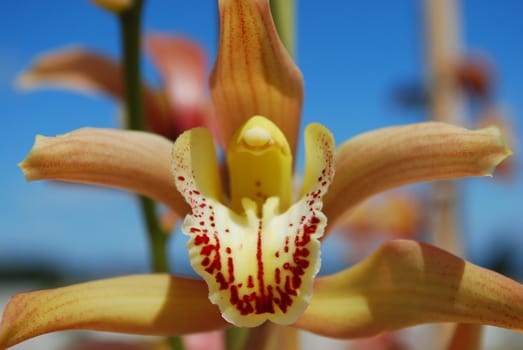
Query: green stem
x=283, y=14
x=130, y=26
x=157, y=237
x=235, y=338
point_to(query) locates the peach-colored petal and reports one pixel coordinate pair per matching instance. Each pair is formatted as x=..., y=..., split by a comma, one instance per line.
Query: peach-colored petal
x=141, y=304
x=74, y=68
x=378, y=160
x=405, y=283
x=182, y=65
x=132, y=160
x=253, y=73
x=85, y=71
x=466, y=337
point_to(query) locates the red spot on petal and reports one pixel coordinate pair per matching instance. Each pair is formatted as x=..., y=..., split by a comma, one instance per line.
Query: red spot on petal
x=315, y=220
x=277, y=276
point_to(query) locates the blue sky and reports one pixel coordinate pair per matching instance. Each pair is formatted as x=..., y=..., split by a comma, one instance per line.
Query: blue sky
x=352, y=55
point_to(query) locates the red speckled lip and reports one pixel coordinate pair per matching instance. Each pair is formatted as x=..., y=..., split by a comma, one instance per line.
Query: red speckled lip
x=278, y=256
x=259, y=264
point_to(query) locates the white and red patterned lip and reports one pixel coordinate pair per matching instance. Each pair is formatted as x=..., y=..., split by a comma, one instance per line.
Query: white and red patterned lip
x=258, y=264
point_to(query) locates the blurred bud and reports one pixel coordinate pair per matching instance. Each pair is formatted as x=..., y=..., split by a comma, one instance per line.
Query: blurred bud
x=394, y=214
x=115, y=6
x=474, y=76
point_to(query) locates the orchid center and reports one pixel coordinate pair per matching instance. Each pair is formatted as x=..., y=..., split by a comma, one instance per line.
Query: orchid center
x=258, y=252
x=260, y=165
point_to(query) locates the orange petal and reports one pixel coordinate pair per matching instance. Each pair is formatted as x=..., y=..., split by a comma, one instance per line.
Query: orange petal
x=253, y=73
x=84, y=71
x=136, y=161
x=142, y=304
x=183, y=65
x=391, y=157
x=405, y=283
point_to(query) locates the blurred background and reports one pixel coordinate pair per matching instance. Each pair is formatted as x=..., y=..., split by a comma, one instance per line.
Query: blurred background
x=366, y=65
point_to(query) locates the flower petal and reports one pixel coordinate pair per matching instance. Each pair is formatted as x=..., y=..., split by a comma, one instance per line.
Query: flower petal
x=182, y=65
x=405, y=283
x=396, y=156
x=85, y=71
x=319, y=159
x=75, y=68
x=142, y=304
x=253, y=73
x=132, y=160
x=194, y=166
x=259, y=263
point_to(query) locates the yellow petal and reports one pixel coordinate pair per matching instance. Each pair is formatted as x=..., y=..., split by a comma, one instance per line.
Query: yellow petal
x=319, y=158
x=135, y=161
x=253, y=73
x=259, y=263
x=405, y=283
x=376, y=161
x=195, y=167
x=141, y=304
x=260, y=165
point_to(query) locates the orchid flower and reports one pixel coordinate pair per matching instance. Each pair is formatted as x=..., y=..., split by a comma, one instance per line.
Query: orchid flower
x=181, y=104
x=256, y=245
